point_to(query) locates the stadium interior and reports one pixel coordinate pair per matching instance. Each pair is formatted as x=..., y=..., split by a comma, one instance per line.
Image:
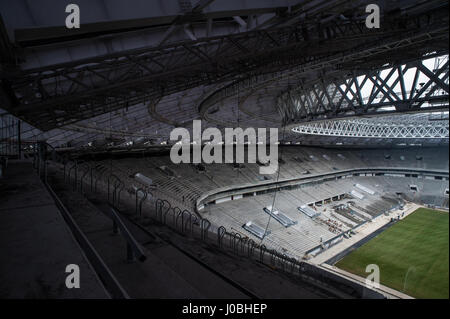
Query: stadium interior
x=87, y=176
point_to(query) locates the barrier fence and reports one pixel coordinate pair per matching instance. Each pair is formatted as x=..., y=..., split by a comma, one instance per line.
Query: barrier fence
x=10, y=136
x=180, y=220
x=84, y=177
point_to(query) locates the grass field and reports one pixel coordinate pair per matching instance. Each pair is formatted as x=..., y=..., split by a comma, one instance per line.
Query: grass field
x=415, y=248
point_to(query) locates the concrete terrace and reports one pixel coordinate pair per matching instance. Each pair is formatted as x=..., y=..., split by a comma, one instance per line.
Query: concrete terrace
x=35, y=242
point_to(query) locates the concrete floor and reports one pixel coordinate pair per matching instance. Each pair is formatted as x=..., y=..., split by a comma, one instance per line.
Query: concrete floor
x=166, y=273
x=35, y=243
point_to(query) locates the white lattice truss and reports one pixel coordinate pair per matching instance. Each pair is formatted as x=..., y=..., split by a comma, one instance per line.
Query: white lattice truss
x=411, y=87
x=416, y=127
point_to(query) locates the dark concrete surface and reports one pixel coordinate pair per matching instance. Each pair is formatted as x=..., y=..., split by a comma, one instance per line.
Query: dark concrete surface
x=166, y=273
x=35, y=243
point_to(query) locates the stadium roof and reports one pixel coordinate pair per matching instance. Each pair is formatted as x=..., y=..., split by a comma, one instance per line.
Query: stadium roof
x=133, y=72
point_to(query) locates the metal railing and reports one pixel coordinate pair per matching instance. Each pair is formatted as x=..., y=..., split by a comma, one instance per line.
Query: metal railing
x=134, y=250
x=187, y=223
x=181, y=220
x=80, y=171
x=108, y=279
x=10, y=136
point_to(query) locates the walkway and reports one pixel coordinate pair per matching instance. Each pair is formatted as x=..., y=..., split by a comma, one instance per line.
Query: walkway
x=35, y=243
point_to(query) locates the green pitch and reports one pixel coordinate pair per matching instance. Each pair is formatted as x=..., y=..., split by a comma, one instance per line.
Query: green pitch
x=412, y=255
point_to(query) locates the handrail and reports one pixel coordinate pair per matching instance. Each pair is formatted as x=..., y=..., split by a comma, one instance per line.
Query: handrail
x=134, y=249
x=247, y=247
x=118, y=186
x=160, y=204
x=75, y=165
x=143, y=198
x=100, y=172
x=86, y=165
x=221, y=231
x=107, y=277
